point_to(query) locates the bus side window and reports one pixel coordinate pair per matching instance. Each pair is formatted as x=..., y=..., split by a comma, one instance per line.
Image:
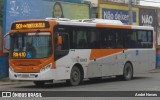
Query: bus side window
x=65, y=42
x=130, y=39
x=94, y=39
x=106, y=39
x=119, y=38
x=149, y=39
x=142, y=38
x=82, y=43
x=79, y=38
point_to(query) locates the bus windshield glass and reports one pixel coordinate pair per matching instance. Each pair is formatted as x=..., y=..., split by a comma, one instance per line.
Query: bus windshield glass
x=31, y=45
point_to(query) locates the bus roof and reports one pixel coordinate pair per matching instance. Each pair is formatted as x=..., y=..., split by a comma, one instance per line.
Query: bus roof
x=100, y=23
x=142, y=27
x=92, y=23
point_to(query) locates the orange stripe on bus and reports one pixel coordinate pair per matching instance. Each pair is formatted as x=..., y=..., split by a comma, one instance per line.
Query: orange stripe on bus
x=113, y=26
x=98, y=53
x=31, y=65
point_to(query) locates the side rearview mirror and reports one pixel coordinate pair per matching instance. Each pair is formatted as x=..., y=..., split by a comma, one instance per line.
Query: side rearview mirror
x=59, y=40
x=5, y=42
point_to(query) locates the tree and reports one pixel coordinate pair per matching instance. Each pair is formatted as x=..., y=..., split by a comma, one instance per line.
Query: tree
x=1, y=12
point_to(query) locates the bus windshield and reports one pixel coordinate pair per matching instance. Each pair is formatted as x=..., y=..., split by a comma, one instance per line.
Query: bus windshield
x=30, y=45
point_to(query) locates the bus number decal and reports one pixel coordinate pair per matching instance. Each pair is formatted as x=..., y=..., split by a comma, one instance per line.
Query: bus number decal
x=83, y=59
x=19, y=54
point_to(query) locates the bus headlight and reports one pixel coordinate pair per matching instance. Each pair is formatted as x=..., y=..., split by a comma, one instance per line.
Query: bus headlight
x=49, y=66
x=11, y=69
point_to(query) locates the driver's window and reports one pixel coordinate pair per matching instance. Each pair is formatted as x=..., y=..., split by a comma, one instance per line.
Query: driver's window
x=65, y=42
x=61, y=38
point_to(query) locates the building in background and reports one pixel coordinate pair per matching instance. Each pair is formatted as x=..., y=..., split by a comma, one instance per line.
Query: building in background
x=117, y=11
x=147, y=17
x=94, y=7
x=134, y=2
x=1, y=40
x=158, y=39
x=158, y=27
x=74, y=1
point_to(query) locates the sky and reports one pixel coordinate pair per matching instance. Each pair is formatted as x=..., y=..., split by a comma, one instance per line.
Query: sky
x=155, y=3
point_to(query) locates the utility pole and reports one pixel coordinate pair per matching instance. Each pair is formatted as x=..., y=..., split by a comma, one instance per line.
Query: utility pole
x=130, y=17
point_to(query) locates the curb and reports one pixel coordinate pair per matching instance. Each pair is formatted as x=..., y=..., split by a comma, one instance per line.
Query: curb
x=7, y=81
x=155, y=70
x=4, y=79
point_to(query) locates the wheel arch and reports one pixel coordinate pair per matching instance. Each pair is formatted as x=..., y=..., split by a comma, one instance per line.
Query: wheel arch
x=81, y=69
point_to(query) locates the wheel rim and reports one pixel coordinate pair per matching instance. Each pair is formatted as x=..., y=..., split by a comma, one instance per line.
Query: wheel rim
x=128, y=71
x=75, y=76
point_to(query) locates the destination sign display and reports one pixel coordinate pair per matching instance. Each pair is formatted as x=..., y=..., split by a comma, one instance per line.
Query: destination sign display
x=30, y=25
x=19, y=54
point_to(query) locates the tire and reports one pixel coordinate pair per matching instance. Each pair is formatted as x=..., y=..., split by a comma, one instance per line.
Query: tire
x=75, y=77
x=127, y=72
x=39, y=83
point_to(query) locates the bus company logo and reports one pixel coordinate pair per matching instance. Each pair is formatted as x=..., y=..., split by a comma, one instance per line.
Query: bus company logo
x=6, y=94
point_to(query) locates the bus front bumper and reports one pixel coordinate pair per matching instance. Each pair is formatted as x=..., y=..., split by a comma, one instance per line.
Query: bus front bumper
x=45, y=75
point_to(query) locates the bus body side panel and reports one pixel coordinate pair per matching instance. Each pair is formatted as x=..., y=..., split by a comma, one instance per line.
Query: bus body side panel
x=145, y=60
x=113, y=64
x=94, y=68
x=105, y=62
x=152, y=58
x=65, y=64
x=142, y=60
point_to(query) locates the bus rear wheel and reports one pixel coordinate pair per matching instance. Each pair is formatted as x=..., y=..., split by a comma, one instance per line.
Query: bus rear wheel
x=39, y=83
x=75, y=76
x=128, y=72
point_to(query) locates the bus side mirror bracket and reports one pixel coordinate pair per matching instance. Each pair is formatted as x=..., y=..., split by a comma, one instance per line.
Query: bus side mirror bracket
x=5, y=41
x=59, y=40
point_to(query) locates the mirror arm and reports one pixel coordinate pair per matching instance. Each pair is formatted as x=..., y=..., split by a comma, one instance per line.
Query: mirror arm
x=4, y=42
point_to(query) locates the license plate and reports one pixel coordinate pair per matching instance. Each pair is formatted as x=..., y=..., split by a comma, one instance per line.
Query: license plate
x=25, y=75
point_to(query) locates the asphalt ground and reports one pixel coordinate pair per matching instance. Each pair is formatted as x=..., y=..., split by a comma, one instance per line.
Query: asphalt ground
x=143, y=82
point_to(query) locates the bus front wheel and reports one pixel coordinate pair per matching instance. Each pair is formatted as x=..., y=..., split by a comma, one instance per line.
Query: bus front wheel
x=75, y=77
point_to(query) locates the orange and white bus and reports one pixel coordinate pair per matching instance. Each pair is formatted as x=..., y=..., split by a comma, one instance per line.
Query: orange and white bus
x=73, y=50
